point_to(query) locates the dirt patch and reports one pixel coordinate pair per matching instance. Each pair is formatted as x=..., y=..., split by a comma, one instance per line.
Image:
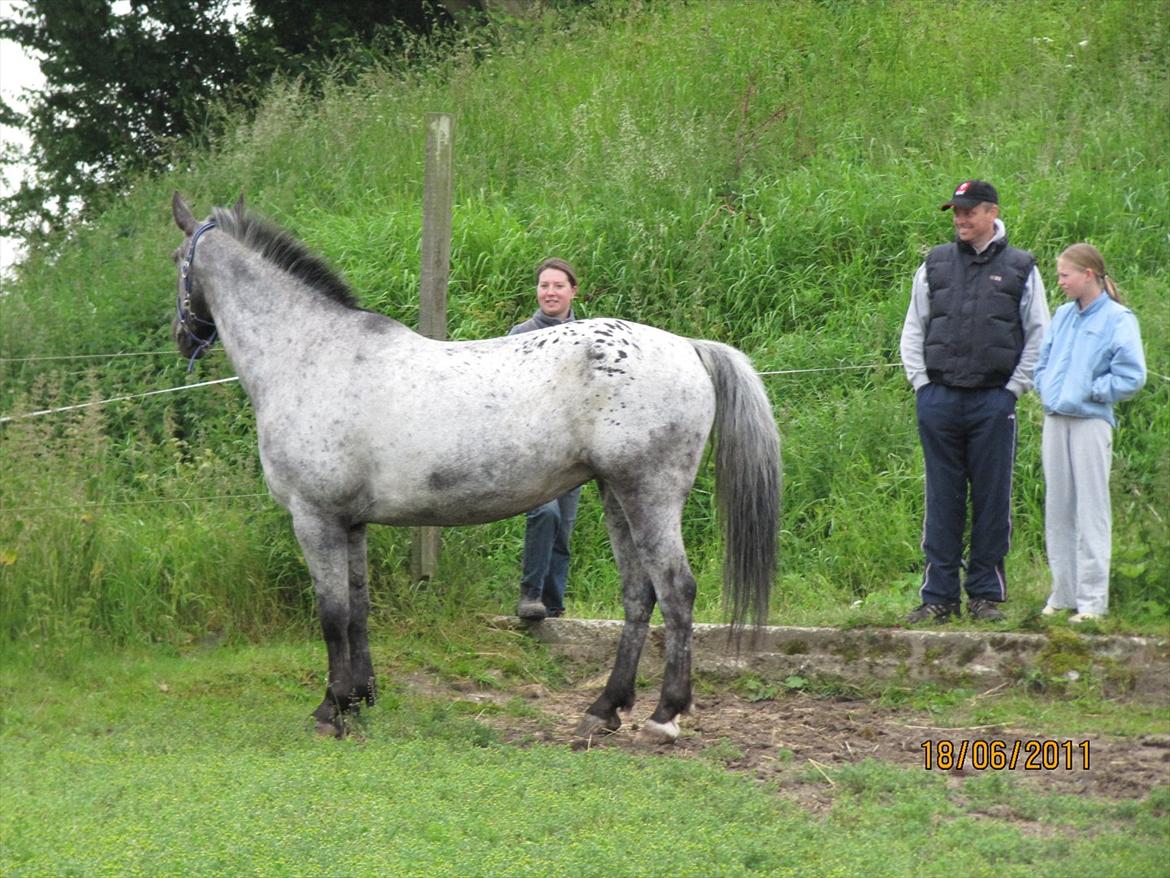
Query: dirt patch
x=795, y=742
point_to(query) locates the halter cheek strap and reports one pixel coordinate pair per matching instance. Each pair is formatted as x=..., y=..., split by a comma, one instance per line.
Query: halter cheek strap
x=183, y=302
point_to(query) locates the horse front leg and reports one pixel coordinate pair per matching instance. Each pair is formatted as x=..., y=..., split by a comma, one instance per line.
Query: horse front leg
x=365, y=685
x=325, y=545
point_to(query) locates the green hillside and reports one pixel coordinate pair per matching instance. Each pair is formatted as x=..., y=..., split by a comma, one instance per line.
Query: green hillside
x=763, y=173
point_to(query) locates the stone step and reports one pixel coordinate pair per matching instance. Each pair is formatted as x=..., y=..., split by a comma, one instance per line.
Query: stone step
x=863, y=657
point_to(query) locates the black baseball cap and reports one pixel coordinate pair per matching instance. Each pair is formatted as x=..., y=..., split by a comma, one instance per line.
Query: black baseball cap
x=969, y=193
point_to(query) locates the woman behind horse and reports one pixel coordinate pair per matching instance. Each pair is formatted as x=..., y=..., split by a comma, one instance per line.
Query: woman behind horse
x=548, y=527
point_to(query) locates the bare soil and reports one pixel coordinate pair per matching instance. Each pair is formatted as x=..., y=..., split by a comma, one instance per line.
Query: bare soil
x=794, y=742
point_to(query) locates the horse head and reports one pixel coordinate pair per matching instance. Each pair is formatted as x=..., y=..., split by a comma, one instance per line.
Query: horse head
x=193, y=328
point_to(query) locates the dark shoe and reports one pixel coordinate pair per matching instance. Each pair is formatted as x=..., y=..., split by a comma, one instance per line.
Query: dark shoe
x=531, y=609
x=554, y=614
x=934, y=613
x=984, y=611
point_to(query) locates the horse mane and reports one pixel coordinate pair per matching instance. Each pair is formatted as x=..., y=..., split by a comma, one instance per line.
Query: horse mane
x=284, y=251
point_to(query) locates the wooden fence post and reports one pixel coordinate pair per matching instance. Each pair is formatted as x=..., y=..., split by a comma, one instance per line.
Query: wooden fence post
x=433, y=274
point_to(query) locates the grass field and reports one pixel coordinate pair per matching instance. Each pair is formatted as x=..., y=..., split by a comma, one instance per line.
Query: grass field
x=201, y=763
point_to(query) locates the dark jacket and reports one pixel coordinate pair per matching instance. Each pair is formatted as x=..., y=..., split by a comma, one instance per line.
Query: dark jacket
x=975, y=335
x=539, y=320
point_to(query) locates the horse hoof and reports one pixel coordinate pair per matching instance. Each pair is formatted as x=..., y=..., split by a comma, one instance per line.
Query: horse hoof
x=594, y=726
x=658, y=733
x=328, y=730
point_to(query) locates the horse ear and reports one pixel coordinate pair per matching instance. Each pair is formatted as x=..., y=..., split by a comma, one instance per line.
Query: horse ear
x=184, y=219
x=239, y=206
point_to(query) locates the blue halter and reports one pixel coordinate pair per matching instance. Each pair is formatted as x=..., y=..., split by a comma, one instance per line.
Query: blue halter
x=183, y=303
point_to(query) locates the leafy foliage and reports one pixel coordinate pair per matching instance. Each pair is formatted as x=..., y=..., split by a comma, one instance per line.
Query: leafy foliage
x=125, y=88
x=122, y=88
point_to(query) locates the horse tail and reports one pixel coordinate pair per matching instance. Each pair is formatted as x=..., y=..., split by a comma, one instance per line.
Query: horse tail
x=748, y=476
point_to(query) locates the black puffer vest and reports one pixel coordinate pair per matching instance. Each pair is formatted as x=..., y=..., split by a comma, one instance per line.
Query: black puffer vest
x=975, y=335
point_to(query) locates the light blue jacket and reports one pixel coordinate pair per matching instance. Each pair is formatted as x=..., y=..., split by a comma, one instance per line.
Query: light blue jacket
x=1090, y=359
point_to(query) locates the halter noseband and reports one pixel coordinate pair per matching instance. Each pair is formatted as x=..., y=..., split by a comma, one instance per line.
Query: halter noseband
x=183, y=302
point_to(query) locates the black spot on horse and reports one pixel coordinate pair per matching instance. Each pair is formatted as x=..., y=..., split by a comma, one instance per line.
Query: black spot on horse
x=377, y=323
x=444, y=479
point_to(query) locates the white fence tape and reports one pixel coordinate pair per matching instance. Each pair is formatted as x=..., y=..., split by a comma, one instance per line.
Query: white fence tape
x=69, y=408
x=85, y=405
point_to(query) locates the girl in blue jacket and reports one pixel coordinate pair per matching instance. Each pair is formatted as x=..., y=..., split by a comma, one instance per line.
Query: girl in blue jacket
x=1091, y=358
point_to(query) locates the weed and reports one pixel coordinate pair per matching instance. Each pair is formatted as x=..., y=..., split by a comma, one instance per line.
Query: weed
x=723, y=752
x=755, y=689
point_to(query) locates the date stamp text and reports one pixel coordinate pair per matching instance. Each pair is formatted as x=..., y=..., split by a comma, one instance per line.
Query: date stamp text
x=1032, y=754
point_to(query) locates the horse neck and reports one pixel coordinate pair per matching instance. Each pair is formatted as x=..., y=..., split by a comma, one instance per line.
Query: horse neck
x=261, y=312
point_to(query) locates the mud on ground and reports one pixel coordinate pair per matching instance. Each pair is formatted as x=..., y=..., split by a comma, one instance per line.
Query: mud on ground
x=795, y=742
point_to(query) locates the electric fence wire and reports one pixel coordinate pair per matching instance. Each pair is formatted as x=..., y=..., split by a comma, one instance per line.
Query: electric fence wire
x=8, y=418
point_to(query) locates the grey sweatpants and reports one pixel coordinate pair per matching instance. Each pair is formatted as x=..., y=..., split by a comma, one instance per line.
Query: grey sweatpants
x=1078, y=520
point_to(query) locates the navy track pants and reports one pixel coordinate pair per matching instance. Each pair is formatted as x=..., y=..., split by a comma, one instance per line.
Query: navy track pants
x=969, y=448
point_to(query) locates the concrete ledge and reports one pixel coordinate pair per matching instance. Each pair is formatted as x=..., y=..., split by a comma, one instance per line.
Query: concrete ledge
x=1137, y=666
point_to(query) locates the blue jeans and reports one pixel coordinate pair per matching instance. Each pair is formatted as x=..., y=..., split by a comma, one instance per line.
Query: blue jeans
x=546, y=550
x=969, y=447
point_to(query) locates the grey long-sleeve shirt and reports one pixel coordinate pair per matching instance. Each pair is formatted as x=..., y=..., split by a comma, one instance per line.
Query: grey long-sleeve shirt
x=1033, y=317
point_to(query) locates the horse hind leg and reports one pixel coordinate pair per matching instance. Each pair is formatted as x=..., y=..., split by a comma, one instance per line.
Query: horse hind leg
x=676, y=598
x=677, y=602
x=656, y=527
x=638, y=603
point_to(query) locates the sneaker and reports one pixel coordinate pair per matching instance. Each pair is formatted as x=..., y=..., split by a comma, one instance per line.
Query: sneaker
x=934, y=613
x=530, y=609
x=1077, y=618
x=1049, y=611
x=984, y=611
x=554, y=614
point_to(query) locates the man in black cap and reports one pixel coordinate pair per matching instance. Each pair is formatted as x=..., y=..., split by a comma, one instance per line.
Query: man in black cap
x=970, y=341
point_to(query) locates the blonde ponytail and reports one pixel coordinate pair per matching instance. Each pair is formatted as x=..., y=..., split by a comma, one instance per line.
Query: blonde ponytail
x=1111, y=289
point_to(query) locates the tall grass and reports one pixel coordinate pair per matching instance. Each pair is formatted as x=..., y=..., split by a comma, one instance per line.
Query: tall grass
x=766, y=174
